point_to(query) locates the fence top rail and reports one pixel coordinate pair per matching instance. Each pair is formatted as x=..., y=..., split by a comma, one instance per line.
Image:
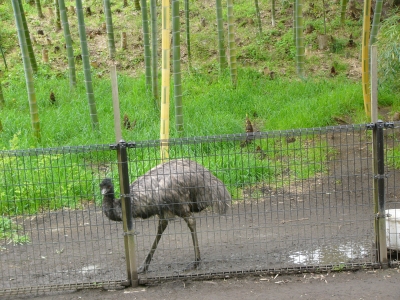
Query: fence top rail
x=54, y=151
x=255, y=135
x=187, y=140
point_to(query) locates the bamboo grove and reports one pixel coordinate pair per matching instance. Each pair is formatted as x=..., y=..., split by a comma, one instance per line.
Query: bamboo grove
x=151, y=11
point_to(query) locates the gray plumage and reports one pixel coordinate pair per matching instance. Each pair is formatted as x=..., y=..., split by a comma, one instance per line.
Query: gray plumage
x=178, y=187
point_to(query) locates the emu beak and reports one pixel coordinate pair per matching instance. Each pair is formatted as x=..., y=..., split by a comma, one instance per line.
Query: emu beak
x=104, y=191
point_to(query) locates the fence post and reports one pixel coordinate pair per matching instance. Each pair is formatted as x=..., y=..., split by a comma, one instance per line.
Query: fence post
x=379, y=192
x=129, y=239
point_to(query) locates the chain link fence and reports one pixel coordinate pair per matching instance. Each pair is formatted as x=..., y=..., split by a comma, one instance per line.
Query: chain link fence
x=298, y=200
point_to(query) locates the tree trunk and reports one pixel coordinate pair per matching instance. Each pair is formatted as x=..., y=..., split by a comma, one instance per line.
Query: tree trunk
x=28, y=69
x=176, y=60
x=299, y=38
x=86, y=65
x=28, y=38
x=110, y=28
x=146, y=42
x=154, y=60
x=221, y=41
x=231, y=43
x=68, y=43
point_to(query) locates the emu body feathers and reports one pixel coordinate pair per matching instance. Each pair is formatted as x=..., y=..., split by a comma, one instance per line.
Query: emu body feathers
x=176, y=188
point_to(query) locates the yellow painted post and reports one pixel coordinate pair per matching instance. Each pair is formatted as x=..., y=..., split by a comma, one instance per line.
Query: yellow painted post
x=365, y=57
x=165, y=78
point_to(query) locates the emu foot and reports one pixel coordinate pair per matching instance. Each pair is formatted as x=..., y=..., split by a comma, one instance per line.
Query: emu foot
x=143, y=268
x=192, y=266
x=125, y=284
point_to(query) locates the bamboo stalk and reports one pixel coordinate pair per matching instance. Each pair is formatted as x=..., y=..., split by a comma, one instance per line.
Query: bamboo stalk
x=58, y=19
x=231, y=43
x=376, y=21
x=165, y=78
x=2, y=102
x=343, y=11
x=86, y=65
x=221, y=40
x=187, y=29
x=115, y=101
x=68, y=43
x=365, y=57
x=177, y=66
x=137, y=4
x=109, y=28
x=273, y=13
x=154, y=58
x=39, y=9
x=146, y=43
x=28, y=39
x=33, y=107
x=374, y=84
x=258, y=16
x=299, y=38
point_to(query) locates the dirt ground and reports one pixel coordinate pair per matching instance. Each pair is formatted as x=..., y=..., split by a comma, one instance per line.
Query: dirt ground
x=366, y=284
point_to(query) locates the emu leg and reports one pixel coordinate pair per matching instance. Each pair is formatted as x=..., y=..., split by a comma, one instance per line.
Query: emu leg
x=191, y=223
x=162, y=224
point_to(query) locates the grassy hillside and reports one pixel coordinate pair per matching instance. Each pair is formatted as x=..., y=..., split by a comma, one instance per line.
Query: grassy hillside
x=268, y=88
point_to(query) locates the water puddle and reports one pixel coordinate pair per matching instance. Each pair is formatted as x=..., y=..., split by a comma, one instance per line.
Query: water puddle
x=330, y=254
x=89, y=269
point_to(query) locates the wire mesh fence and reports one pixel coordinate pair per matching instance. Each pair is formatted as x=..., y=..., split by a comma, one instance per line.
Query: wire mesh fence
x=297, y=200
x=392, y=192
x=53, y=232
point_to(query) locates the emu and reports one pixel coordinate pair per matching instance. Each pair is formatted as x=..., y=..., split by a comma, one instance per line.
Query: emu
x=178, y=187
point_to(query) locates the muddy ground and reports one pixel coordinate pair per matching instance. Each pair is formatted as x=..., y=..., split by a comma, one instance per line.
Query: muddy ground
x=315, y=223
x=368, y=285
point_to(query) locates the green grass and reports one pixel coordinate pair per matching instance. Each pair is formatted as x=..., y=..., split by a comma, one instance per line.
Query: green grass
x=46, y=181
x=393, y=157
x=9, y=231
x=278, y=104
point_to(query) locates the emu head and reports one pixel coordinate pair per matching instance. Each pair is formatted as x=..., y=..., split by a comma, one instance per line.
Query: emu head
x=106, y=187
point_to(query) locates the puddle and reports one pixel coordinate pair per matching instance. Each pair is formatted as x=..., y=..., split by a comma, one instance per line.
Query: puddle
x=330, y=254
x=89, y=269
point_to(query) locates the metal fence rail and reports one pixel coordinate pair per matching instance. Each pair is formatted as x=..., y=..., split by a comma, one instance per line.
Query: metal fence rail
x=301, y=200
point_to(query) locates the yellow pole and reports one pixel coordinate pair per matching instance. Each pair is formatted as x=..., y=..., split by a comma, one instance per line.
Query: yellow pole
x=165, y=79
x=365, y=57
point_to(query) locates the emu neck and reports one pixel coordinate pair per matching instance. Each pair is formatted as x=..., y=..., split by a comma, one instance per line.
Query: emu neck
x=112, y=207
